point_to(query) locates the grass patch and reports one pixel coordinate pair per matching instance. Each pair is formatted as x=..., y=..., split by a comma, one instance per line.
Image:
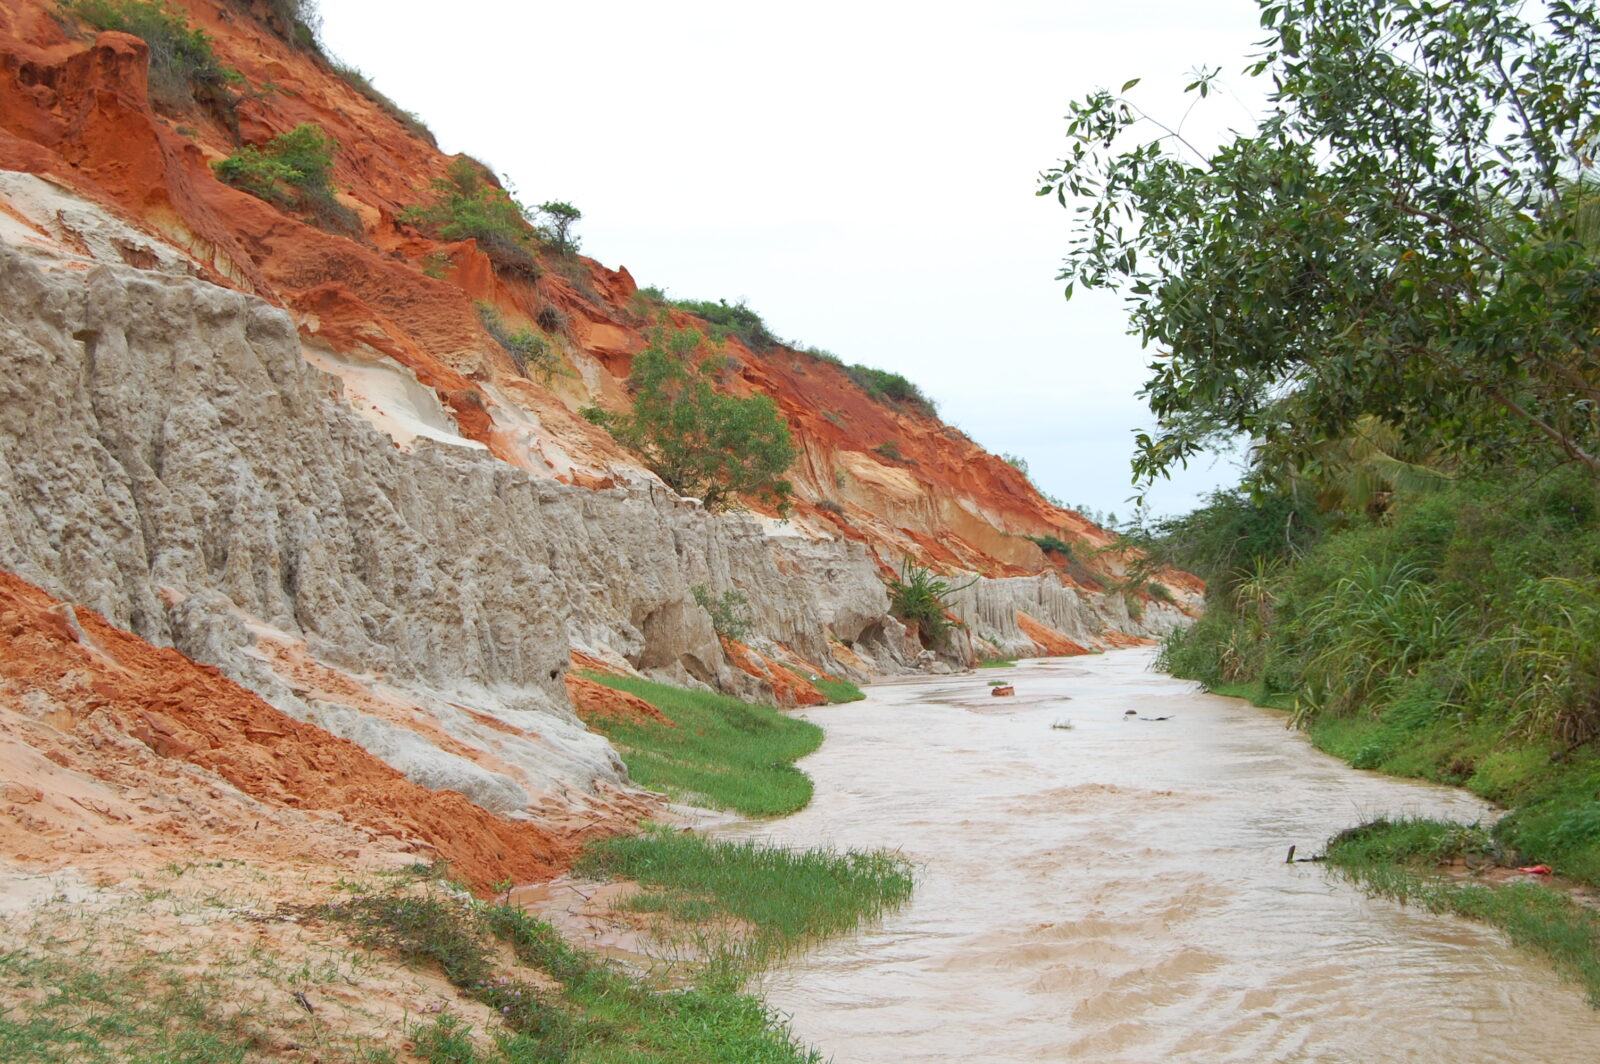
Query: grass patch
x=781, y=899
x=595, y=1013
x=997, y=663
x=723, y=752
x=88, y=1010
x=1399, y=859
x=836, y=690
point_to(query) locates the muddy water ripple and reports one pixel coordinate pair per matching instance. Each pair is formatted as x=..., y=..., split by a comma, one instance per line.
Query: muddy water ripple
x=1118, y=891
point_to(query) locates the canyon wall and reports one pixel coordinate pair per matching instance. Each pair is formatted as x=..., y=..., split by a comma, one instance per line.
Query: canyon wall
x=301, y=459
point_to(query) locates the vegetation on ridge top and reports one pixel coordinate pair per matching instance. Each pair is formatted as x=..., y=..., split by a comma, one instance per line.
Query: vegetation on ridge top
x=182, y=61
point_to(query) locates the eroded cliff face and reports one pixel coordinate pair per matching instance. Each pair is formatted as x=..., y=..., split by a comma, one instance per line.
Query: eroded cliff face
x=298, y=457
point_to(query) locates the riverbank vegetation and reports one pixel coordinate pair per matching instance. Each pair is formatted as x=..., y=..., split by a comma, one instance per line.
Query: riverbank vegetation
x=747, y=904
x=1387, y=293
x=717, y=752
x=1428, y=862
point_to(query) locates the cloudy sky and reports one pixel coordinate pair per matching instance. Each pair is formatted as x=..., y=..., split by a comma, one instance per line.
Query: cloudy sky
x=861, y=173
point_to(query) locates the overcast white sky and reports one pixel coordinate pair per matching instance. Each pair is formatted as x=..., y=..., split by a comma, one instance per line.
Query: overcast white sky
x=862, y=173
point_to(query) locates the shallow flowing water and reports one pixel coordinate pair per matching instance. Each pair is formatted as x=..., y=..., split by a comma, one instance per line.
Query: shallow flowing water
x=1118, y=891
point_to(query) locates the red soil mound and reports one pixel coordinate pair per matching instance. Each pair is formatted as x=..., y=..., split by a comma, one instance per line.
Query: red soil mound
x=790, y=688
x=193, y=713
x=1051, y=643
x=594, y=700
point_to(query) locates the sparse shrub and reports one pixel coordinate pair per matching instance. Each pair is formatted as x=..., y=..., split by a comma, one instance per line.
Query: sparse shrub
x=528, y=349
x=469, y=204
x=1051, y=544
x=551, y=319
x=888, y=387
x=1161, y=593
x=183, y=65
x=557, y=219
x=436, y=264
x=356, y=79
x=830, y=506
x=890, y=450
x=919, y=597
x=701, y=442
x=1017, y=462
x=822, y=355
x=832, y=417
x=292, y=170
x=732, y=319
x=730, y=611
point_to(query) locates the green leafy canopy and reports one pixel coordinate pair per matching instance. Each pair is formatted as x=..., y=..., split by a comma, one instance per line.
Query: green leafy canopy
x=1408, y=235
x=702, y=442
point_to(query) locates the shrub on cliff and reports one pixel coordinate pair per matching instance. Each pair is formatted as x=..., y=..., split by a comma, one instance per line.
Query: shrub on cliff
x=919, y=597
x=469, y=204
x=730, y=611
x=732, y=319
x=528, y=349
x=182, y=61
x=889, y=387
x=701, y=442
x=556, y=219
x=293, y=169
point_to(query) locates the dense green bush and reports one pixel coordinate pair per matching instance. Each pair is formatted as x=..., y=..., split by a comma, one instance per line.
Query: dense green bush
x=702, y=442
x=889, y=387
x=295, y=170
x=469, y=204
x=731, y=319
x=1456, y=639
x=182, y=61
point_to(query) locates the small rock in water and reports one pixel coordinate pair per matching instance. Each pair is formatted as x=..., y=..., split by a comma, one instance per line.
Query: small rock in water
x=1004, y=690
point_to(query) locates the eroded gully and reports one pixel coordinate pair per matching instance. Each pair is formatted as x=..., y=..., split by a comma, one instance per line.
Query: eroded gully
x=1118, y=891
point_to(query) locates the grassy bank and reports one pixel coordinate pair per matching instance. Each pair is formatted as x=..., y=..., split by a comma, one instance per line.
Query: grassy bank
x=1405, y=860
x=718, y=752
x=1456, y=638
x=776, y=900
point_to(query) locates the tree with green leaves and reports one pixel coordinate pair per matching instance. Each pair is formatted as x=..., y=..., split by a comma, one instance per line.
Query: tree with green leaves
x=557, y=217
x=1406, y=236
x=701, y=441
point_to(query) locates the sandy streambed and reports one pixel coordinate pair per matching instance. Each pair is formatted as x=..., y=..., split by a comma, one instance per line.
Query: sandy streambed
x=1118, y=891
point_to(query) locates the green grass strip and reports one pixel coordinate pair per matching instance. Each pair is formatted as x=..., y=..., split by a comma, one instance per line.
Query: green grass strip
x=837, y=691
x=782, y=899
x=723, y=753
x=1399, y=859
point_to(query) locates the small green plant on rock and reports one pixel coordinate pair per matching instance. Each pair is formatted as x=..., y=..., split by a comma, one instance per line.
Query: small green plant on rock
x=730, y=611
x=921, y=598
x=469, y=204
x=528, y=349
x=293, y=170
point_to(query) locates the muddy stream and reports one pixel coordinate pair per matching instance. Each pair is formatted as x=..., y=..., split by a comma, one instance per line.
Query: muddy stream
x=1118, y=891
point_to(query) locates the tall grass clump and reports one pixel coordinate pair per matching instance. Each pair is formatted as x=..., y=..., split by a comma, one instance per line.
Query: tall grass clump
x=920, y=597
x=719, y=751
x=531, y=352
x=782, y=899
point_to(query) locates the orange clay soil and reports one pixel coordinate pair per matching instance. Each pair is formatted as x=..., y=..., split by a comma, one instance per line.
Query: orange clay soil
x=595, y=701
x=73, y=105
x=1050, y=642
x=790, y=688
x=69, y=673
